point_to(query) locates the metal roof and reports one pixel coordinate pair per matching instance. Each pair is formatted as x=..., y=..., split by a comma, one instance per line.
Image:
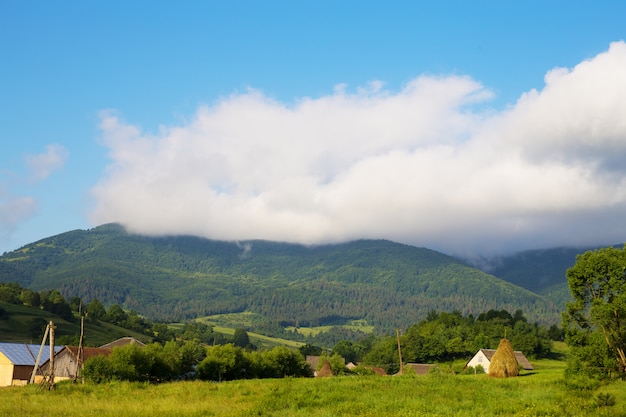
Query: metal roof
x=26, y=354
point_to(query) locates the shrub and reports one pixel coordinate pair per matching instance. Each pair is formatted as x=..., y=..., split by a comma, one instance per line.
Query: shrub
x=98, y=369
x=605, y=400
x=224, y=363
x=363, y=370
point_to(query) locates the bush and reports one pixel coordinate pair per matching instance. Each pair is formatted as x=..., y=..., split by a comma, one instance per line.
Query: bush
x=224, y=363
x=582, y=384
x=98, y=369
x=605, y=400
x=363, y=370
x=471, y=370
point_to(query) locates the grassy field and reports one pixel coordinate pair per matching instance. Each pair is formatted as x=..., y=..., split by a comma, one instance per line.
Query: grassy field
x=541, y=392
x=359, y=325
x=260, y=340
x=247, y=320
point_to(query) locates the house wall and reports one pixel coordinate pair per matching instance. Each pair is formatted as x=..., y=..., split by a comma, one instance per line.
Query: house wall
x=479, y=359
x=6, y=371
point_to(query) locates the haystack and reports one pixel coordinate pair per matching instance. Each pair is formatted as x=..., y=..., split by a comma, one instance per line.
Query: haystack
x=504, y=363
x=325, y=371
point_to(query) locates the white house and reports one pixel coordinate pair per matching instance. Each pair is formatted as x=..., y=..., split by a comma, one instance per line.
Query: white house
x=483, y=358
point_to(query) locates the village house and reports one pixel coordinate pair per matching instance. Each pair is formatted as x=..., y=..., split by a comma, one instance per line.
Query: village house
x=17, y=362
x=483, y=358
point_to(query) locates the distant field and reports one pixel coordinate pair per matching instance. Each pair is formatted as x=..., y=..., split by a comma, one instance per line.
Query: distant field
x=360, y=325
x=245, y=319
x=259, y=339
x=228, y=322
x=538, y=393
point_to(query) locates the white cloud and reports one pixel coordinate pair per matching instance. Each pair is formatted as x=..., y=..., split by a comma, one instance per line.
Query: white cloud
x=42, y=165
x=14, y=210
x=422, y=165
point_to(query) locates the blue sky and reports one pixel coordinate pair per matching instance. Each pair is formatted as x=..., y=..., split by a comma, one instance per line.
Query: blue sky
x=439, y=124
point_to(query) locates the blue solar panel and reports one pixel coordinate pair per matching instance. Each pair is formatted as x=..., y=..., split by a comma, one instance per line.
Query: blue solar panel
x=26, y=354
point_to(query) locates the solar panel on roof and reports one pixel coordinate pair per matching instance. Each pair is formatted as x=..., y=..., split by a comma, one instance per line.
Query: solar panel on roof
x=26, y=354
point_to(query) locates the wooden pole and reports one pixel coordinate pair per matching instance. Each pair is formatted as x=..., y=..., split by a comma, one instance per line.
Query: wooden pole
x=80, y=353
x=43, y=343
x=52, y=329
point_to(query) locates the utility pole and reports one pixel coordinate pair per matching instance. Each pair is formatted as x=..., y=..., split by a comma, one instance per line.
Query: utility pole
x=51, y=368
x=80, y=353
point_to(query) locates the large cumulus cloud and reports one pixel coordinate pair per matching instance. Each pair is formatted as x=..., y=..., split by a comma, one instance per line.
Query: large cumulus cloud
x=430, y=165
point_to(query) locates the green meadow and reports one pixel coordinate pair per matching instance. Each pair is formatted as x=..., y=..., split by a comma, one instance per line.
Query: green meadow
x=542, y=392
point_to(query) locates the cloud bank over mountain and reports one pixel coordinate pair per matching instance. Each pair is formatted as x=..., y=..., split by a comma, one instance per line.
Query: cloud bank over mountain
x=431, y=165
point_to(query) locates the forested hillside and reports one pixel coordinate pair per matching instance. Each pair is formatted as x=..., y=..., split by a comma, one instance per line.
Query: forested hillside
x=173, y=278
x=541, y=271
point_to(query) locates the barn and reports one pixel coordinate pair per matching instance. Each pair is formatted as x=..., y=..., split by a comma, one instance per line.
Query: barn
x=68, y=361
x=17, y=361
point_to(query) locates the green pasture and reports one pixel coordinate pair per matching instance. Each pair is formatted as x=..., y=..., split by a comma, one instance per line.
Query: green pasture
x=542, y=392
x=259, y=339
x=357, y=325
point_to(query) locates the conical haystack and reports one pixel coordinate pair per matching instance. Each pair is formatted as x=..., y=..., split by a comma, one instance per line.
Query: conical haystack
x=325, y=371
x=503, y=362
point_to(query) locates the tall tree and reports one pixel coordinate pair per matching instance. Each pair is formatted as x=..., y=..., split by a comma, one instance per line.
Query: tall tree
x=597, y=282
x=240, y=337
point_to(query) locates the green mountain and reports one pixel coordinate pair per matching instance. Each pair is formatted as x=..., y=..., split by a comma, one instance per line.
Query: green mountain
x=541, y=271
x=390, y=285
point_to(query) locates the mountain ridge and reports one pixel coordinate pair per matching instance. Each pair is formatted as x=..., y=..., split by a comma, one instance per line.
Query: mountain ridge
x=183, y=277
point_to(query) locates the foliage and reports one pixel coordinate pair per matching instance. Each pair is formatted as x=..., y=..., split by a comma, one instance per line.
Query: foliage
x=384, y=353
x=444, y=337
x=181, y=278
x=281, y=362
x=98, y=369
x=308, y=349
x=605, y=399
x=229, y=362
x=240, y=338
x=595, y=321
x=152, y=363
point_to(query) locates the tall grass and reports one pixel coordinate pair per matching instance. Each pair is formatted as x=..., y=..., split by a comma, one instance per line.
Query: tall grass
x=538, y=393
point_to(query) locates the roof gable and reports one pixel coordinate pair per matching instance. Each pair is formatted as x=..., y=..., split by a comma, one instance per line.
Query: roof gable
x=123, y=341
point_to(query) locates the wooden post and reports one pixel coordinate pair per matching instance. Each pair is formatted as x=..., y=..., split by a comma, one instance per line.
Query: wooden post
x=52, y=329
x=43, y=343
x=80, y=353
